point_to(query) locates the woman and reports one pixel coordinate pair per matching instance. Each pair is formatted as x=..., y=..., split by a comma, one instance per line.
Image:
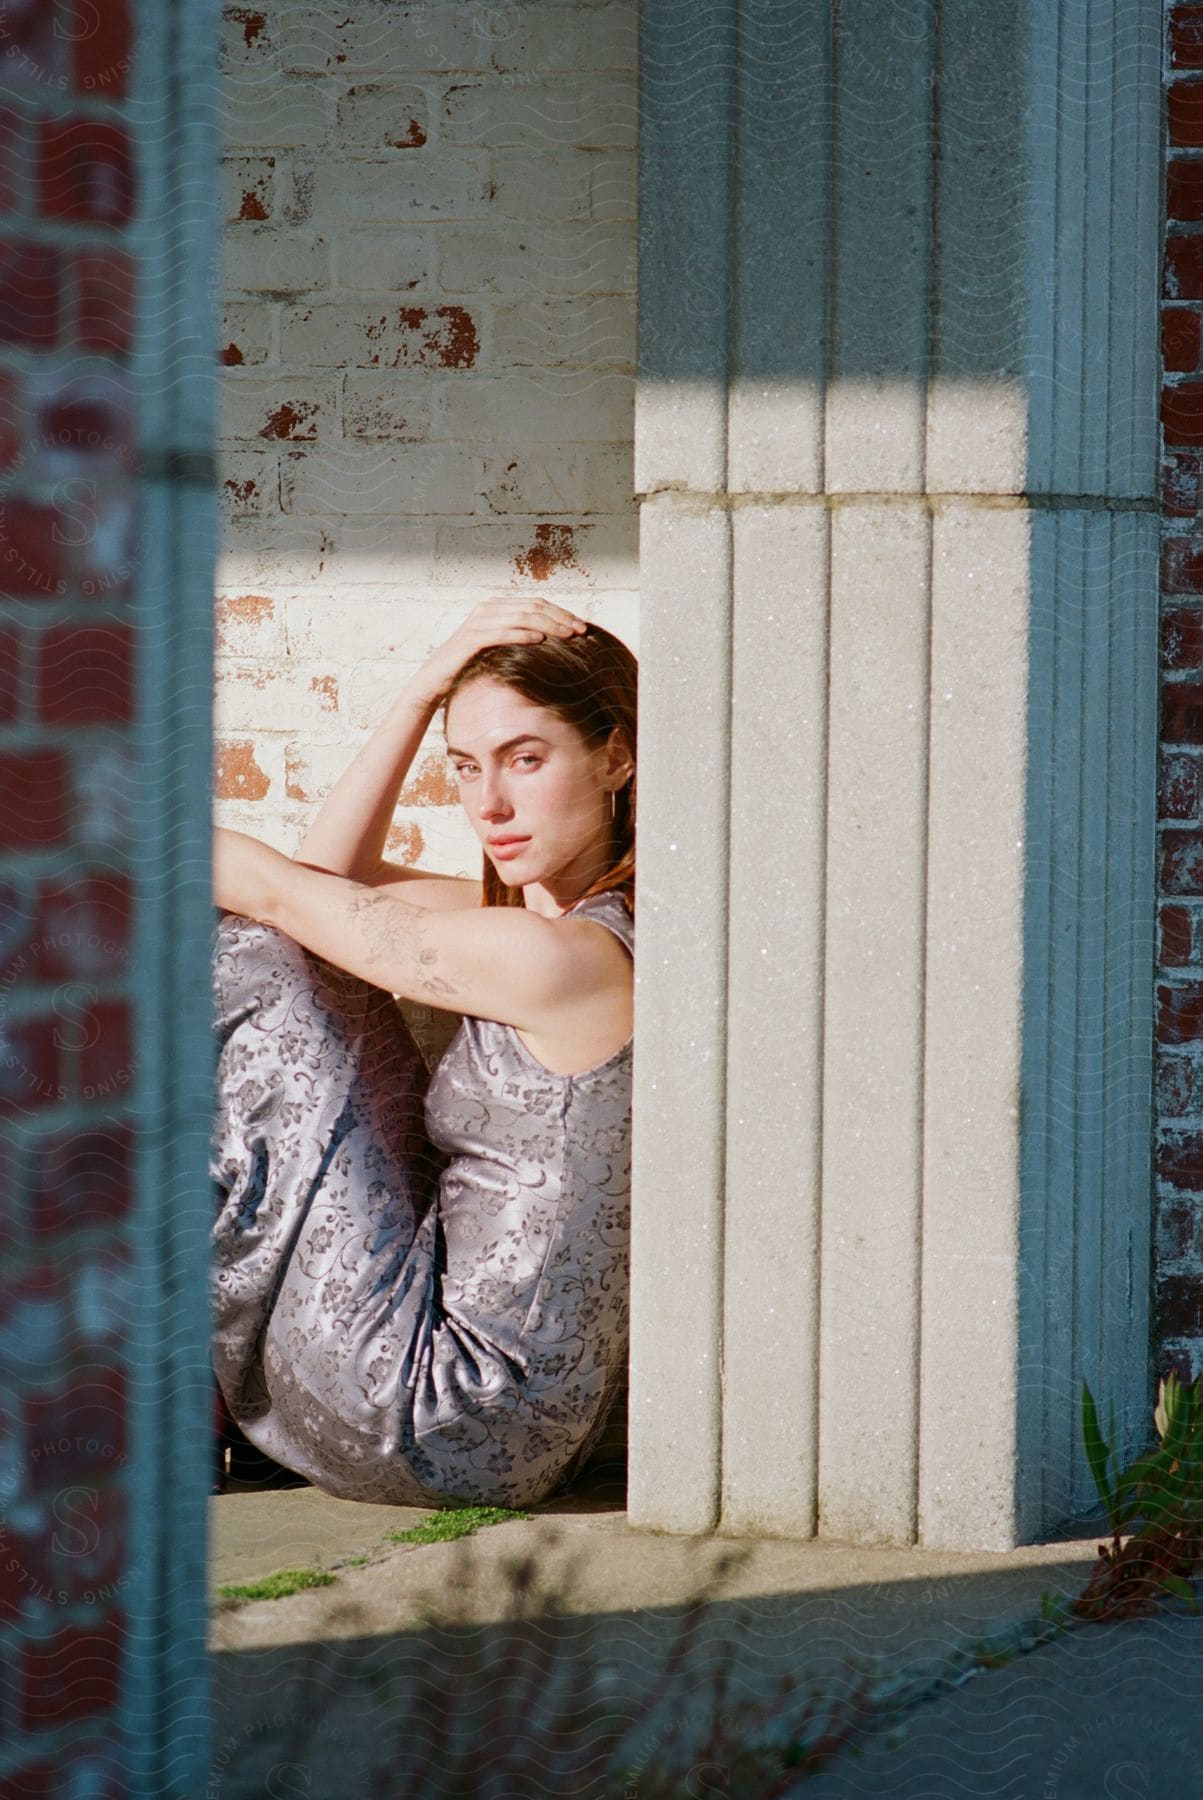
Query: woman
x=420, y=1289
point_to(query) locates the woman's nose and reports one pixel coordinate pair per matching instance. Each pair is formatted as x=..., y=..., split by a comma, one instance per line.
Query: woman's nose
x=493, y=802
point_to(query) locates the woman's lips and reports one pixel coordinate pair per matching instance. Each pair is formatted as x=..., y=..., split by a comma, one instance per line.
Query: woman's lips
x=510, y=849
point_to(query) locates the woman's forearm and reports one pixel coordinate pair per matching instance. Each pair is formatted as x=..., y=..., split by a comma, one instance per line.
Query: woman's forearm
x=246, y=874
x=348, y=835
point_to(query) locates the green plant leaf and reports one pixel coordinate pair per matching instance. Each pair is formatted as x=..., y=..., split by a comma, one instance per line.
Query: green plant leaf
x=1143, y=1472
x=1166, y=1390
x=1174, y=1584
x=278, y=1586
x=1097, y=1452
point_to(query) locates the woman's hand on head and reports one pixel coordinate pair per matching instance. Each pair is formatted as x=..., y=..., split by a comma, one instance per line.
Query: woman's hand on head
x=508, y=619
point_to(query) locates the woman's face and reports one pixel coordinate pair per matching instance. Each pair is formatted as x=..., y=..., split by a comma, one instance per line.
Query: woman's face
x=523, y=772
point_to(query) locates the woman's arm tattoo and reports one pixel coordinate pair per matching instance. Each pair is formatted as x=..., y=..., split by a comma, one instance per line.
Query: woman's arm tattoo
x=393, y=929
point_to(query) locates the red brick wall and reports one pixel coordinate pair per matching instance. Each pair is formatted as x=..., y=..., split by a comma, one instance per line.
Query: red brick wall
x=68, y=553
x=1179, y=1149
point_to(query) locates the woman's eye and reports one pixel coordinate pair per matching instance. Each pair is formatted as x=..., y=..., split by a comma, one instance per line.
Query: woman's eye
x=528, y=758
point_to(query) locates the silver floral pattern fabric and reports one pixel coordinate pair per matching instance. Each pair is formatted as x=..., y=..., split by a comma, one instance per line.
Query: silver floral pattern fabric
x=419, y=1284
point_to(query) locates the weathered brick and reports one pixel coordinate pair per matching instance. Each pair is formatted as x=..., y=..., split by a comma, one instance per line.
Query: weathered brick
x=34, y=49
x=395, y=262
x=1175, y=1085
x=1174, y=949
x=248, y=44
x=84, y=928
x=246, y=333
x=253, y=698
x=270, y=114
x=250, y=482
x=319, y=626
x=86, y=424
x=247, y=625
x=81, y=1178
x=1186, y=37
x=1184, y=189
x=561, y=479
x=264, y=259
x=291, y=551
x=106, y=298
x=10, y=674
x=86, y=675
x=1180, y=486
x=575, y=553
x=81, y=1549
x=14, y=419
x=30, y=294
x=375, y=116
x=1179, y=1162
x=1180, y=1305
x=104, y=1056
x=1179, y=1012
x=600, y=113
x=374, y=39
x=86, y=171
x=271, y=553
x=406, y=844
x=237, y=775
x=587, y=333
x=406, y=189
x=1178, y=788
x=1182, y=712
x=1183, y=276
x=1184, y=1359
x=74, y=1674
x=30, y=1069
x=14, y=159
x=311, y=770
x=248, y=187
x=527, y=42
x=379, y=336
x=1179, y=339
x=366, y=478
x=34, y=799
x=1184, y=109
x=284, y=408
x=1182, y=636
x=383, y=407
x=1179, y=1230
x=1181, y=862
x=555, y=406
x=543, y=262
x=33, y=556
x=541, y=186
x=101, y=39
x=371, y=689
x=1182, y=412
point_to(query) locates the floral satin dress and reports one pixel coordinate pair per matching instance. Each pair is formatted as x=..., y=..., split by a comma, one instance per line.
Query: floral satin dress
x=419, y=1283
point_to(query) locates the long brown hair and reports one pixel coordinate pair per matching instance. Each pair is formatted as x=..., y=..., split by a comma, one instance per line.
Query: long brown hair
x=591, y=682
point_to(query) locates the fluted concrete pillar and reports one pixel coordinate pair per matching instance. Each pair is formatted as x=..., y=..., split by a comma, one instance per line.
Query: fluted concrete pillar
x=896, y=447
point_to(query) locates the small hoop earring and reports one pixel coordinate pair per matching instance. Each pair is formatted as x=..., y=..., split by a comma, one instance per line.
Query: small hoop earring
x=613, y=804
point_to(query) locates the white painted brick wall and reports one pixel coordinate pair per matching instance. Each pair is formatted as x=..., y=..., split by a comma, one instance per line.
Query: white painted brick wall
x=428, y=341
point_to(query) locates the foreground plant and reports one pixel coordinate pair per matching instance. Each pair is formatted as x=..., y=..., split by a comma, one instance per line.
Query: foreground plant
x=1155, y=1510
x=454, y=1522
x=276, y=1587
